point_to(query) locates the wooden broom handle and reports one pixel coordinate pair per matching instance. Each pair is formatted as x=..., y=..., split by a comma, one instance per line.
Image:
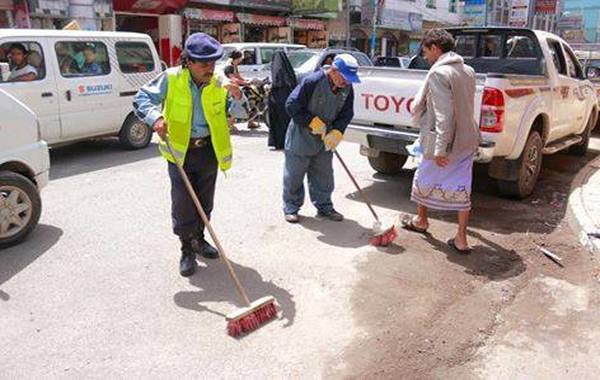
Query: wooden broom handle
x=206, y=221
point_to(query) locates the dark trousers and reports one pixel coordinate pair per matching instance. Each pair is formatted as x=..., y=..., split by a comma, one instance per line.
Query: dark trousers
x=202, y=168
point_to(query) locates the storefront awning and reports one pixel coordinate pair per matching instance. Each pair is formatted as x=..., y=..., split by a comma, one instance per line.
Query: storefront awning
x=208, y=14
x=6, y=5
x=148, y=6
x=306, y=24
x=248, y=18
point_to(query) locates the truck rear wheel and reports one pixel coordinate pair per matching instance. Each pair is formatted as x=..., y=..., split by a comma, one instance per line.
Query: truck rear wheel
x=530, y=164
x=388, y=163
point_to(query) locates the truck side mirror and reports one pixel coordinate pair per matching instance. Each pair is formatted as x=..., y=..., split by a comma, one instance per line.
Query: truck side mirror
x=4, y=71
x=593, y=72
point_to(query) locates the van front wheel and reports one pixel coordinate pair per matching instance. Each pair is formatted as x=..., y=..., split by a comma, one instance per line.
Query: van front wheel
x=20, y=208
x=134, y=134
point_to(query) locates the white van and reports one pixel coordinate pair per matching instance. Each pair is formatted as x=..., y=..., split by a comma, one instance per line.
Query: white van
x=24, y=165
x=256, y=56
x=80, y=84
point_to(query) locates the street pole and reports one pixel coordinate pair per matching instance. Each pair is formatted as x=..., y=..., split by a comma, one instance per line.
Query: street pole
x=374, y=32
x=485, y=13
x=347, y=11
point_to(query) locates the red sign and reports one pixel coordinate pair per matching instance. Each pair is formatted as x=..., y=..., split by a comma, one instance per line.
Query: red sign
x=149, y=6
x=208, y=14
x=545, y=6
x=307, y=24
x=247, y=18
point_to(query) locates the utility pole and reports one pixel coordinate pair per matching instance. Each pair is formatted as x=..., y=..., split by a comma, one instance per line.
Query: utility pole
x=347, y=11
x=374, y=32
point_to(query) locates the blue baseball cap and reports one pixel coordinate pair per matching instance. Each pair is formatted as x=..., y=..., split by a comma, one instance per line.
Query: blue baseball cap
x=202, y=47
x=347, y=65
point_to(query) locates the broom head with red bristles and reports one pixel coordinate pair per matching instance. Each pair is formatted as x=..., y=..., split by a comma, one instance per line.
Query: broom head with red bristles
x=383, y=238
x=252, y=317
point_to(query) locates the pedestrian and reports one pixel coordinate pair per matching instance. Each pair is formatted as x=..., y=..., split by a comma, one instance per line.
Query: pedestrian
x=283, y=82
x=449, y=136
x=187, y=105
x=321, y=108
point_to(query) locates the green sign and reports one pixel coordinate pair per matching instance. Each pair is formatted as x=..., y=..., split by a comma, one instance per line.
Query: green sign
x=315, y=6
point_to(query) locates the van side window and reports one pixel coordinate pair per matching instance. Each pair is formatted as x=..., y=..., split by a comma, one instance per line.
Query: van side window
x=25, y=61
x=82, y=58
x=249, y=57
x=558, y=58
x=134, y=57
x=575, y=70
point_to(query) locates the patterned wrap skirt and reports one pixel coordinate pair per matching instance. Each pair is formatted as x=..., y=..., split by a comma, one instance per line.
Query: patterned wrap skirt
x=447, y=188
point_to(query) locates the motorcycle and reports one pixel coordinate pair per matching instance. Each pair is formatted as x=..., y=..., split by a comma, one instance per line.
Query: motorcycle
x=253, y=107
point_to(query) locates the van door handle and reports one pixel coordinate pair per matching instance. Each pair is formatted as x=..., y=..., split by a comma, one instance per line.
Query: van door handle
x=68, y=93
x=46, y=94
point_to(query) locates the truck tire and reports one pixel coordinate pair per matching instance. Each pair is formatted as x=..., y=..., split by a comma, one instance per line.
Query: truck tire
x=582, y=148
x=20, y=208
x=530, y=164
x=388, y=163
x=134, y=134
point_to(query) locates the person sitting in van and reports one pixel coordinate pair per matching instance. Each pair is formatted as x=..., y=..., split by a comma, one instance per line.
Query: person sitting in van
x=232, y=71
x=22, y=71
x=90, y=67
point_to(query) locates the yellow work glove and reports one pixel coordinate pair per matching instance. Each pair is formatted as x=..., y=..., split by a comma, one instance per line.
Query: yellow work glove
x=317, y=126
x=332, y=139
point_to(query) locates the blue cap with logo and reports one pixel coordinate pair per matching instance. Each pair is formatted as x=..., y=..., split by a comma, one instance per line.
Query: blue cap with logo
x=202, y=47
x=347, y=65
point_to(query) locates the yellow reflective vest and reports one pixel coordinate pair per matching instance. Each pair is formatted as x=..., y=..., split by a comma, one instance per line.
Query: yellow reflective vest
x=177, y=113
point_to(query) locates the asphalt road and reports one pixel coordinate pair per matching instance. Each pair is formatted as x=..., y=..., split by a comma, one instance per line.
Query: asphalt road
x=95, y=291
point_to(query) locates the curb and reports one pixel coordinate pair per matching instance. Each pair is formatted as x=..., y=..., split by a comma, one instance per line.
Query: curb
x=580, y=217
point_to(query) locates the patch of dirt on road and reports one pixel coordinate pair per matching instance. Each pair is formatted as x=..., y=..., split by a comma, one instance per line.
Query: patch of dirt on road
x=427, y=308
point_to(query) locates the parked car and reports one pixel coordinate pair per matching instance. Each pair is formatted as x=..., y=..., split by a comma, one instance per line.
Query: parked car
x=257, y=56
x=307, y=61
x=80, y=84
x=24, y=165
x=532, y=98
x=591, y=63
x=399, y=62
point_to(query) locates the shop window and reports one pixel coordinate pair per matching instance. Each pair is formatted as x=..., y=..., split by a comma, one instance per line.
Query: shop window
x=490, y=46
x=134, y=57
x=82, y=58
x=25, y=60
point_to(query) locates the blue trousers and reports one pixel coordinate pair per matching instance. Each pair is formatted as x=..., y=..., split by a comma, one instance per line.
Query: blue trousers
x=319, y=171
x=201, y=168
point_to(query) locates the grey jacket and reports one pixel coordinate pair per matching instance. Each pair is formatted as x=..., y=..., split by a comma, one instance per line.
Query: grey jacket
x=446, y=102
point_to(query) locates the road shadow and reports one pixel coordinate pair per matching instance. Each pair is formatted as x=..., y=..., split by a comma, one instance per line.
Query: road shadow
x=490, y=260
x=15, y=259
x=245, y=132
x=345, y=234
x=542, y=212
x=215, y=285
x=90, y=156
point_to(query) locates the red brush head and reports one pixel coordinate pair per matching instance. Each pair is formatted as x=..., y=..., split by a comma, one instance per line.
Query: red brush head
x=250, y=322
x=385, y=238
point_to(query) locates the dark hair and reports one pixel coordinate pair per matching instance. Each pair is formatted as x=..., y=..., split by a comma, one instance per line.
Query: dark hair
x=440, y=38
x=235, y=54
x=19, y=47
x=91, y=47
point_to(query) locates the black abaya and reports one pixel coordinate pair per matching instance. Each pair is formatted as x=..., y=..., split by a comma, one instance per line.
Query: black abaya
x=283, y=83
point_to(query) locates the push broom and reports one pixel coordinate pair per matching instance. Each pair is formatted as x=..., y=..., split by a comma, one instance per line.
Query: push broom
x=381, y=237
x=254, y=314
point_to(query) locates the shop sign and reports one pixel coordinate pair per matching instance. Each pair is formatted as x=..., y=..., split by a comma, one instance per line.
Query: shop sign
x=474, y=12
x=316, y=6
x=249, y=18
x=208, y=14
x=302, y=23
x=519, y=13
x=545, y=6
x=392, y=18
x=284, y=5
x=6, y=5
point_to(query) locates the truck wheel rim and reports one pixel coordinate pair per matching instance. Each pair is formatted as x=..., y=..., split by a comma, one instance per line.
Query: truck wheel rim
x=531, y=166
x=16, y=209
x=138, y=133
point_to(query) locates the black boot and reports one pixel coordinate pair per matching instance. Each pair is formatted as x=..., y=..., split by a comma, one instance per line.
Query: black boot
x=207, y=250
x=187, y=264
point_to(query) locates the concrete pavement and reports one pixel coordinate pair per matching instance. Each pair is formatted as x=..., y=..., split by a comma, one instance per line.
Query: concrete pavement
x=95, y=291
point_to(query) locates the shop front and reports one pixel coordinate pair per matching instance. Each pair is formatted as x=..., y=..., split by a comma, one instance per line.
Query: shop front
x=209, y=21
x=6, y=14
x=258, y=28
x=309, y=32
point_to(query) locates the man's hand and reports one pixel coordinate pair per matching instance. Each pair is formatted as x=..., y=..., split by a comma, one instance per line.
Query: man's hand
x=441, y=161
x=160, y=127
x=332, y=139
x=317, y=126
x=234, y=90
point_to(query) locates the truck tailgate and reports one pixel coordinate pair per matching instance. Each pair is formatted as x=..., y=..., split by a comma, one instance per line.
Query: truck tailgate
x=385, y=95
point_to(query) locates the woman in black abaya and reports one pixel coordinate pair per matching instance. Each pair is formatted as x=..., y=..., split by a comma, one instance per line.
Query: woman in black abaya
x=283, y=81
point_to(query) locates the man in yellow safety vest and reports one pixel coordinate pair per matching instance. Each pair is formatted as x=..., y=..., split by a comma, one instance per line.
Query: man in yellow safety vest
x=188, y=105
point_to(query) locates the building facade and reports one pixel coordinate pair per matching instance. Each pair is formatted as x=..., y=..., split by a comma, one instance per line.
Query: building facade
x=584, y=17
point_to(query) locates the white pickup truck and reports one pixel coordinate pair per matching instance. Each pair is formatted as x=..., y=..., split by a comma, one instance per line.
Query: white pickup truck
x=532, y=99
